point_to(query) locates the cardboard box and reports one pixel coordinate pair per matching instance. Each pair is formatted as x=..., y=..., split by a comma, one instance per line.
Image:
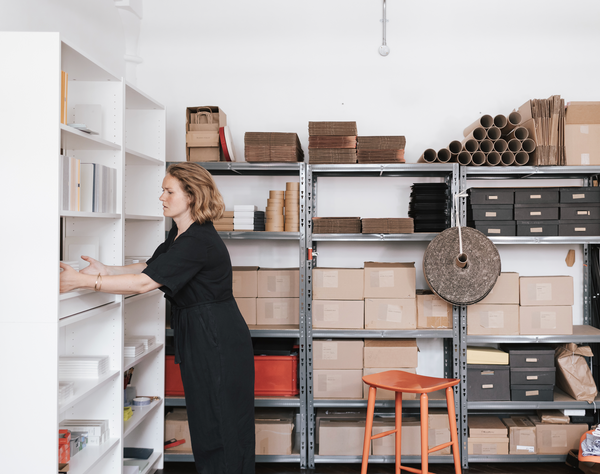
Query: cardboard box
x=582, y=133
x=247, y=307
x=505, y=291
x=203, y=154
x=538, y=320
x=486, y=426
x=487, y=446
x=176, y=427
x=432, y=311
x=486, y=356
x=521, y=434
x=390, y=280
x=338, y=354
x=390, y=313
x=410, y=444
x=391, y=353
x=439, y=430
x=273, y=431
x=546, y=291
x=338, y=314
x=341, y=437
x=202, y=139
x=338, y=284
x=245, y=282
x=330, y=383
x=557, y=438
x=278, y=283
x=493, y=319
x=337, y=413
x=202, y=125
x=277, y=311
x=387, y=394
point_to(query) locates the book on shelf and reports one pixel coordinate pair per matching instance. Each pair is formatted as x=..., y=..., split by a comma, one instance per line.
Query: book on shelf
x=70, y=169
x=98, y=188
x=64, y=87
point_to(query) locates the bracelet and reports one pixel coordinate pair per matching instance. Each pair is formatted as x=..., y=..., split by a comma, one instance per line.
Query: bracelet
x=98, y=279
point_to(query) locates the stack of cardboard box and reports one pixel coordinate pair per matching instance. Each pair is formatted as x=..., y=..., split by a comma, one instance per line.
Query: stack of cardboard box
x=386, y=149
x=225, y=223
x=274, y=431
x=202, y=133
x=332, y=142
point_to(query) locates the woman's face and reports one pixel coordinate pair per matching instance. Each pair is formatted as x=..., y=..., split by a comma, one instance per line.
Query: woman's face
x=176, y=203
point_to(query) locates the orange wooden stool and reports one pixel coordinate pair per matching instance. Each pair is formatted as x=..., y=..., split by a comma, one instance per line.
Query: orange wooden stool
x=399, y=382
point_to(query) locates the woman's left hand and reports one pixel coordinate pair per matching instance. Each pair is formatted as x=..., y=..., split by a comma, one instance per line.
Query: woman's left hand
x=69, y=278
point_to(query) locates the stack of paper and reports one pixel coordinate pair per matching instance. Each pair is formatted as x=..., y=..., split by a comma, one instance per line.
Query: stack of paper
x=65, y=391
x=82, y=367
x=486, y=355
x=133, y=349
x=430, y=207
x=247, y=218
x=332, y=142
x=147, y=341
x=388, y=225
x=272, y=146
x=336, y=225
x=97, y=430
x=225, y=223
x=389, y=149
x=132, y=260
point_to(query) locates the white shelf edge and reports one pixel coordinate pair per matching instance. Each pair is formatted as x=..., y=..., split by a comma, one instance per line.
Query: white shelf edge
x=139, y=217
x=75, y=318
x=142, y=158
x=85, y=387
x=137, y=418
x=141, y=296
x=152, y=461
x=73, y=294
x=158, y=105
x=132, y=362
x=96, y=215
x=92, y=138
x=85, y=460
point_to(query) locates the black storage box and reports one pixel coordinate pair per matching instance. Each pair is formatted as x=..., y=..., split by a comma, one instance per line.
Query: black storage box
x=491, y=196
x=572, y=228
x=502, y=212
x=542, y=213
x=536, y=195
x=533, y=376
x=497, y=228
x=532, y=393
x=584, y=211
x=580, y=194
x=537, y=228
x=529, y=356
x=488, y=382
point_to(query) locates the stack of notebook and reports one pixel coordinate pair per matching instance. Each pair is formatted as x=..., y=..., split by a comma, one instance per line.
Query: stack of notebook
x=65, y=391
x=147, y=341
x=388, y=225
x=247, y=218
x=332, y=142
x=336, y=225
x=430, y=207
x=272, y=146
x=381, y=149
x=133, y=349
x=82, y=367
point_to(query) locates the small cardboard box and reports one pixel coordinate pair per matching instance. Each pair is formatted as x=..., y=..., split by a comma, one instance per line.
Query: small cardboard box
x=202, y=125
x=278, y=283
x=390, y=313
x=338, y=354
x=493, y=319
x=488, y=446
x=201, y=139
x=390, y=280
x=339, y=437
x=411, y=438
x=487, y=426
x=505, y=291
x=338, y=284
x=337, y=413
x=277, y=311
x=432, y=311
x=557, y=438
x=330, y=383
x=203, y=154
x=582, y=133
x=522, y=435
x=338, y=314
x=245, y=282
x=247, y=307
x=176, y=427
x=387, y=394
x=546, y=291
x=538, y=320
x=273, y=432
x=391, y=353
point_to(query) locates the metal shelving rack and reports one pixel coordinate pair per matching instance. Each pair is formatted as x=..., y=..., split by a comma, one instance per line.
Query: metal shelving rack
x=450, y=173
x=581, y=334
x=270, y=169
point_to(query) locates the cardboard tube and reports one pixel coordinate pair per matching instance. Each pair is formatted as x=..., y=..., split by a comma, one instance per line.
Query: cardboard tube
x=444, y=155
x=464, y=158
x=492, y=158
x=507, y=158
x=514, y=145
x=521, y=158
x=485, y=121
x=528, y=145
x=471, y=145
x=514, y=119
x=486, y=146
x=476, y=134
x=500, y=146
x=520, y=133
x=500, y=121
x=493, y=133
x=428, y=156
x=461, y=260
x=455, y=147
x=478, y=158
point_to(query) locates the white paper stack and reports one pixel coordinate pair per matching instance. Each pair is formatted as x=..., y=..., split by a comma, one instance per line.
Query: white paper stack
x=133, y=349
x=147, y=341
x=65, y=391
x=82, y=367
x=97, y=430
x=246, y=217
x=132, y=260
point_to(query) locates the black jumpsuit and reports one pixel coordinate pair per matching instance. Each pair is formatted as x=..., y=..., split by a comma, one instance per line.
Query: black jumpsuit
x=212, y=346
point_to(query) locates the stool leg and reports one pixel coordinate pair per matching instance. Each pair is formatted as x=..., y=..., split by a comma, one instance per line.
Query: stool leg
x=368, y=429
x=453, y=430
x=398, y=448
x=424, y=433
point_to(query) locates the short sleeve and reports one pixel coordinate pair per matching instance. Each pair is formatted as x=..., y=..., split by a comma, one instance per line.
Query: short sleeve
x=162, y=248
x=177, y=266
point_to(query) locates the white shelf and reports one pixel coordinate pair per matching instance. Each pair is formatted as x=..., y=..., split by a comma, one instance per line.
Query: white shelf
x=139, y=414
x=84, y=387
x=96, y=215
x=136, y=99
x=132, y=362
x=85, y=460
x=137, y=217
x=133, y=157
x=73, y=139
x=152, y=462
x=75, y=318
x=141, y=296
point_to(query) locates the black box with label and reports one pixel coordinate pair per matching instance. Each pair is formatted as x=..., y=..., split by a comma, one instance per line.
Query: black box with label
x=537, y=228
x=578, y=228
x=580, y=194
x=491, y=196
x=529, y=212
x=529, y=356
x=532, y=393
x=533, y=376
x=497, y=228
x=534, y=196
x=488, y=382
x=583, y=211
x=501, y=212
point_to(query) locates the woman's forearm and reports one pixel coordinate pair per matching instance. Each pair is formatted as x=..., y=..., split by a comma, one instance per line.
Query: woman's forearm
x=127, y=284
x=133, y=269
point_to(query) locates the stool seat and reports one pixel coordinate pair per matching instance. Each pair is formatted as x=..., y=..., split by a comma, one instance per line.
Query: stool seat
x=400, y=381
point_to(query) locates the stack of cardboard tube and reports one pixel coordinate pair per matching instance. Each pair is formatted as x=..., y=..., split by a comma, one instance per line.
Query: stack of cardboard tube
x=274, y=212
x=490, y=141
x=292, y=207
x=283, y=209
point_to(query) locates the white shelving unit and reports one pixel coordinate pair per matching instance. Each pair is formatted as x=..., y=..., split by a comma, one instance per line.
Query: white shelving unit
x=37, y=323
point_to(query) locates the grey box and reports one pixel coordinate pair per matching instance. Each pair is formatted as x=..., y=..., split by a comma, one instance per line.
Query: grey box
x=536, y=195
x=580, y=194
x=532, y=393
x=497, y=228
x=583, y=211
x=576, y=228
x=491, y=196
x=526, y=356
x=488, y=382
x=537, y=228
x=502, y=212
x=533, y=376
x=538, y=213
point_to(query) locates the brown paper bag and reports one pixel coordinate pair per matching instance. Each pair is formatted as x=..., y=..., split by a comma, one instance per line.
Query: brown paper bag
x=573, y=375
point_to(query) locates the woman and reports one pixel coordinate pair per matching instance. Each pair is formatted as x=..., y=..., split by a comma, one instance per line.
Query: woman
x=212, y=342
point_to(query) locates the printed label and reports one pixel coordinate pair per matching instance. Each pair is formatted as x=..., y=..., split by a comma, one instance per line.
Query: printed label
x=488, y=385
x=386, y=278
x=585, y=129
x=583, y=213
x=547, y=320
x=394, y=313
x=439, y=309
x=578, y=196
x=580, y=229
x=331, y=312
x=531, y=359
x=280, y=310
x=488, y=372
x=282, y=284
x=492, y=319
x=492, y=198
x=532, y=377
x=530, y=449
x=543, y=291
x=536, y=230
x=493, y=231
x=532, y=393
x=535, y=196
x=330, y=279
x=535, y=213
x=585, y=158
x=558, y=439
x=330, y=351
x=490, y=214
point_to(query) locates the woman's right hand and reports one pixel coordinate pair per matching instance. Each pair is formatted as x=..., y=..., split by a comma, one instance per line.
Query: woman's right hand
x=94, y=267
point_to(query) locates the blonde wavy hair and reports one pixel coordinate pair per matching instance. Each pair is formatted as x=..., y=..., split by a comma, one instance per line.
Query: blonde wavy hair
x=206, y=202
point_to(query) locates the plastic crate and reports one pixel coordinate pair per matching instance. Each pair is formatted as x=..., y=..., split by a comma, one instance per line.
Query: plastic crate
x=276, y=376
x=173, y=383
